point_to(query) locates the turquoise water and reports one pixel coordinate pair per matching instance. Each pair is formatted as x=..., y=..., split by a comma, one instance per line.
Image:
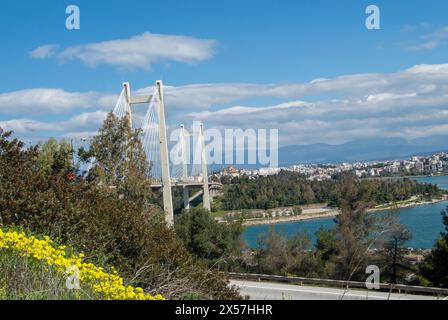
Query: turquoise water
x=425, y=222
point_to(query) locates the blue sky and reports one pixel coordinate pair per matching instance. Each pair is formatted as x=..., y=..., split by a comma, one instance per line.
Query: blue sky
x=231, y=64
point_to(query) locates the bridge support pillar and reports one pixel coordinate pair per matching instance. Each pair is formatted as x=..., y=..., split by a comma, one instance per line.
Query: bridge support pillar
x=186, y=198
x=206, y=195
x=186, y=191
x=212, y=194
x=127, y=91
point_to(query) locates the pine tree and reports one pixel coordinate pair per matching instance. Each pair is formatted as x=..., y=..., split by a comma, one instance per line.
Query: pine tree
x=353, y=231
x=395, y=238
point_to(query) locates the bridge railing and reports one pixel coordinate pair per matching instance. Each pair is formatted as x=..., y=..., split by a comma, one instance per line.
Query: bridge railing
x=338, y=283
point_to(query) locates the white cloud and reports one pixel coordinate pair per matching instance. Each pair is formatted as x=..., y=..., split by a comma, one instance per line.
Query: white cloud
x=336, y=121
x=203, y=96
x=140, y=51
x=430, y=41
x=83, y=122
x=419, y=79
x=25, y=125
x=44, y=52
x=47, y=100
x=426, y=80
x=409, y=103
x=389, y=96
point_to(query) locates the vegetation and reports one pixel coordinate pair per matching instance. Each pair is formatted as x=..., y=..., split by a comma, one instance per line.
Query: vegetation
x=18, y=249
x=358, y=239
x=257, y=214
x=292, y=189
x=110, y=216
x=434, y=270
x=217, y=244
x=394, y=261
x=355, y=231
x=278, y=254
x=25, y=279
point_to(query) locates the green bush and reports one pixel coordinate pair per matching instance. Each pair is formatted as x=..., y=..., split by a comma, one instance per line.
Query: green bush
x=434, y=270
x=117, y=227
x=217, y=244
x=297, y=210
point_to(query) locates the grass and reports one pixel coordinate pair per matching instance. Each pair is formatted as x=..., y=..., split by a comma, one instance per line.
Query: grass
x=35, y=268
x=221, y=214
x=24, y=278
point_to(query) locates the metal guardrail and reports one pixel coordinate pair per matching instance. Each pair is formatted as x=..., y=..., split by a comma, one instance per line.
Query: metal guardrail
x=337, y=283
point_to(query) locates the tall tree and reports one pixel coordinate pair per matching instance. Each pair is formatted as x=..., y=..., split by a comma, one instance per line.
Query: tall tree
x=272, y=254
x=218, y=244
x=353, y=230
x=118, y=160
x=394, y=239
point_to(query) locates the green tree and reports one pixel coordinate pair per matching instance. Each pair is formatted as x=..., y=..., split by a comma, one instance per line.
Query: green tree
x=218, y=244
x=290, y=189
x=297, y=210
x=118, y=160
x=325, y=243
x=308, y=195
x=56, y=157
x=302, y=261
x=434, y=270
x=352, y=231
x=280, y=255
x=272, y=254
x=394, y=239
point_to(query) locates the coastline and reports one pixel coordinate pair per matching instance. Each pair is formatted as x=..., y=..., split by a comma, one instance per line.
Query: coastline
x=410, y=203
x=310, y=216
x=408, y=176
x=323, y=212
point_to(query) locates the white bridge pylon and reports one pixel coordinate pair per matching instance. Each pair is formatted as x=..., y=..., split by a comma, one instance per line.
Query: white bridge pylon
x=152, y=122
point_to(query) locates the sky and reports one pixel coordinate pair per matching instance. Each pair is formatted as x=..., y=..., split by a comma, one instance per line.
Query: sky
x=308, y=68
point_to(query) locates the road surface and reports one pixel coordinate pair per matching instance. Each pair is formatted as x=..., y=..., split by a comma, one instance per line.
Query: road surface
x=280, y=291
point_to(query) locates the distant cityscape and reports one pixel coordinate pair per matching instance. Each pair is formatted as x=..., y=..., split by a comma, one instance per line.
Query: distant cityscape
x=417, y=165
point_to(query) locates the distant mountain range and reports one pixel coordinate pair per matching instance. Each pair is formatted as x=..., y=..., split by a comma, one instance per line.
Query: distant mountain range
x=362, y=150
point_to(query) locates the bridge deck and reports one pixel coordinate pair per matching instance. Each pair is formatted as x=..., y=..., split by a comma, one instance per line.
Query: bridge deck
x=187, y=184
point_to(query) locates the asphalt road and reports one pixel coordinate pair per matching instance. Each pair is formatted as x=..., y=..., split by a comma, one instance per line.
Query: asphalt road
x=280, y=291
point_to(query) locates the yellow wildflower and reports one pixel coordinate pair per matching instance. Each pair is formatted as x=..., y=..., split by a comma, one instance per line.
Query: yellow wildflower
x=110, y=285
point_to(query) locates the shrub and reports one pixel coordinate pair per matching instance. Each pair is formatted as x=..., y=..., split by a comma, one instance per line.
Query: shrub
x=217, y=244
x=111, y=230
x=297, y=210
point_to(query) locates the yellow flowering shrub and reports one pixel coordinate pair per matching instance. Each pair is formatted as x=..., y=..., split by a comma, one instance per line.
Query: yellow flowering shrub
x=109, y=285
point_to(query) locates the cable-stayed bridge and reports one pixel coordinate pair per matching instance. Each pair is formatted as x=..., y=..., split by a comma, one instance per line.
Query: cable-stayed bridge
x=185, y=166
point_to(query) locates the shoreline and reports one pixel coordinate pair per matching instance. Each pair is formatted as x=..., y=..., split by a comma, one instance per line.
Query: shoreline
x=408, y=176
x=313, y=216
x=408, y=205
x=327, y=213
